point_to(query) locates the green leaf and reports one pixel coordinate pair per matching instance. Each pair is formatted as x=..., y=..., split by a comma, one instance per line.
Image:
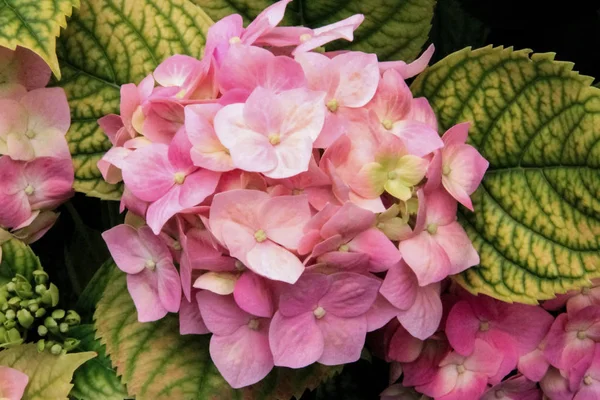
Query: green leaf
x=394, y=29
x=35, y=24
x=17, y=258
x=96, y=379
x=109, y=43
x=536, y=223
x=156, y=362
x=49, y=375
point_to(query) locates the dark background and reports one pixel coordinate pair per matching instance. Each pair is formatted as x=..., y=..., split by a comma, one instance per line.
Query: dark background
x=571, y=29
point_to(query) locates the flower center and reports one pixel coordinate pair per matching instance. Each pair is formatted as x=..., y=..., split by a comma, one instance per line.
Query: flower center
x=297, y=192
x=585, y=291
x=151, y=265
x=253, y=324
x=581, y=335
x=304, y=37
x=446, y=170
x=432, y=229
x=274, y=139
x=344, y=248
x=234, y=40
x=181, y=94
x=332, y=105
x=387, y=124
x=500, y=394
x=587, y=380
x=177, y=245
x=29, y=190
x=460, y=369
x=319, y=312
x=179, y=178
x=30, y=134
x=260, y=236
x=239, y=265
x=484, y=326
x=392, y=175
x=380, y=225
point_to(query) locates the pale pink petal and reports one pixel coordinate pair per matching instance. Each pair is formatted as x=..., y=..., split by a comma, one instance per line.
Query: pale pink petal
x=143, y=288
x=359, y=77
x=412, y=69
x=190, y=319
x=440, y=208
x=175, y=70
x=457, y=246
x=304, y=295
x=169, y=286
x=221, y=314
x=423, y=318
x=426, y=258
x=296, y=342
x=444, y=381
x=160, y=211
x=393, y=98
x=222, y=283
x=418, y=137
x=12, y=383
x=197, y=187
x=293, y=156
x=348, y=221
x=382, y=252
x=339, y=30
x=219, y=34
x=421, y=111
x=467, y=168
x=283, y=219
x=400, y=286
x=319, y=73
x=404, y=347
x=350, y=294
x=243, y=357
x=127, y=249
x=468, y=386
x=48, y=109
x=253, y=295
x=555, y=386
x=239, y=206
x=380, y=313
x=344, y=339
x=148, y=173
x=457, y=134
x=265, y=21
x=274, y=262
x=533, y=365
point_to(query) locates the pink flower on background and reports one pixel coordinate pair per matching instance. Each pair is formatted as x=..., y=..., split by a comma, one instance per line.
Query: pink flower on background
x=322, y=318
x=22, y=67
x=463, y=377
x=29, y=187
x=408, y=70
x=239, y=346
x=165, y=177
x=272, y=133
x=261, y=231
x=194, y=79
x=443, y=247
x=576, y=300
x=514, y=388
x=152, y=279
x=35, y=125
x=12, y=383
x=460, y=167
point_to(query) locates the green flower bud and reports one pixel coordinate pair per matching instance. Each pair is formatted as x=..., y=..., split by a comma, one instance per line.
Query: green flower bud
x=3, y=298
x=14, y=301
x=42, y=330
x=33, y=307
x=51, y=324
x=9, y=324
x=10, y=314
x=50, y=343
x=58, y=314
x=63, y=327
x=11, y=287
x=25, y=318
x=40, y=276
x=50, y=297
x=72, y=318
x=13, y=336
x=71, y=343
x=2, y=334
x=56, y=349
x=41, y=345
x=2, y=318
x=40, y=289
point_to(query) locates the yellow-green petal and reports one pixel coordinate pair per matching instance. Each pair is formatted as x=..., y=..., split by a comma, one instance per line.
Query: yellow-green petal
x=536, y=223
x=411, y=169
x=398, y=189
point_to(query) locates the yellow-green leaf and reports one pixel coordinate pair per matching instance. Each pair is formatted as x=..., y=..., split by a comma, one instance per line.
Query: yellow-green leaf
x=49, y=375
x=156, y=362
x=17, y=258
x=394, y=29
x=106, y=44
x=35, y=24
x=536, y=223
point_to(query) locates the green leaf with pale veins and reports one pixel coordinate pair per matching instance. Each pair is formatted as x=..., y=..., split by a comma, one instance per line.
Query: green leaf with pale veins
x=393, y=29
x=49, y=375
x=156, y=362
x=35, y=24
x=96, y=379
x=17, y=258
x=109, y=43
x=536, y=223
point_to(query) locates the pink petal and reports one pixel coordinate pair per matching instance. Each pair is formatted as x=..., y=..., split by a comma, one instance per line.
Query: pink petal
x=380, y=313
x=457, y=134
x=421, y=111
x=274, y=262
x=253, y=295
x=148, y=173
x=467, y=168
x=293, y=157
x=222, y=283
x=48, y=109
x=462, y=327
x=265, y=21
x=412, y=69
x=52, y=180
x=143, y=288
x=533, y=365
x=555, y=386
x=400, y=286
x=457, y=246
x=127, y=249
x=175, y=70
x=283, y=219
x=404, y=347
x=359, y=77
x=441, y=208
x=418, y=137
x=190, y=320
x=169, y=286
x=382, y=252
x=296, y=342
x=344, y=339
x=348, y=221
x=393, y=98
x=15, y=204
x=239, y=206
x=304, y=295
x=350, y=294
x=345, y=261
x=339, y=30
x=426, y=258
x=423, y=318
x=12, y=383
x=160, y=211
x=221, y=314
x=197, y=187
x=243, y=357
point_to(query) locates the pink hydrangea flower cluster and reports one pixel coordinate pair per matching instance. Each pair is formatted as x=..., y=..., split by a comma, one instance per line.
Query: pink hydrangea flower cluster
x=286, y=199
x=12, y=383
x=36, y=172
x=487, y=349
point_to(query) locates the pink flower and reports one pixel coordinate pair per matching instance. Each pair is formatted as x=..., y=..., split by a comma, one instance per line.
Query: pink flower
x=462, y=167
x=322, y=318
x=573, y=338
x=350, y=80
x=461, y=377
x=30, y=187
x=343, y=29
x=514, y=388
x=165, y=177
x=261, y=231
x=272, y=133
x=345, y=236
x=442, y=248
x=424, y=368
x=534, y=365
x=35, y=125
x=12, y=383
x=152, y=279
x=239, y=346
x=576, y=299
x=584, y=378
x=420, y=308
x=23, y=67
x=190, y=319
x=411, y=69
x=556, y=387
x=194, y=79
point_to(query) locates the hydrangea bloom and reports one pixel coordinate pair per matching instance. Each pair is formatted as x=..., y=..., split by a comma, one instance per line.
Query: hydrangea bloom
x=12, y=383
x=296, y=192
